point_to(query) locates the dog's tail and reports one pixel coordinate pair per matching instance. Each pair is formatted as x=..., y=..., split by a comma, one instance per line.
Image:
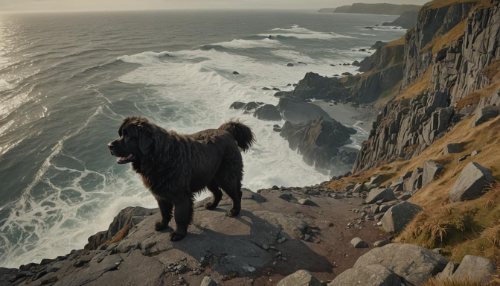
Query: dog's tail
x=241, y=133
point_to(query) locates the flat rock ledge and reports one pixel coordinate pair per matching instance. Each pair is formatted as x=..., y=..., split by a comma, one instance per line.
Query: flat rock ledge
x=271, y=239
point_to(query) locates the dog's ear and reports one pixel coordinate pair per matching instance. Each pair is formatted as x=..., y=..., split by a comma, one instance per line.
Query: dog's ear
x=145, y=140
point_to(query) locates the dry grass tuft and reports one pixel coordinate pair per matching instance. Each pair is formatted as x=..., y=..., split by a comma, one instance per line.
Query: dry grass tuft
x=120, y=235
x=418, y=87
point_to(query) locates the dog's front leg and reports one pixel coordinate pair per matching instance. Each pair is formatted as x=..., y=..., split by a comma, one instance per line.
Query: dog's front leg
x=183, y=215
x=166, y=214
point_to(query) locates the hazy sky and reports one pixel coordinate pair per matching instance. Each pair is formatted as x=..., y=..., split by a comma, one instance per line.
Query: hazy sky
x=85, y=5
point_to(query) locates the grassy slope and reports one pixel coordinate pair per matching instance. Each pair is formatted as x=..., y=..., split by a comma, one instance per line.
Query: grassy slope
x=462, y=228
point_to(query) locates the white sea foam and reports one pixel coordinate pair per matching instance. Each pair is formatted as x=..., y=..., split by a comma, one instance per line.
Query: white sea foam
x=302, y=33
x=250, y=44
x=4, y=84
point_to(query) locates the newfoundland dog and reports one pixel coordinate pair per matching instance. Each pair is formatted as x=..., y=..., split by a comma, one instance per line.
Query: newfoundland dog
x=174, y=167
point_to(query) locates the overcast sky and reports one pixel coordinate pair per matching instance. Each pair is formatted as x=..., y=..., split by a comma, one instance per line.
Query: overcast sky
x=106, y=5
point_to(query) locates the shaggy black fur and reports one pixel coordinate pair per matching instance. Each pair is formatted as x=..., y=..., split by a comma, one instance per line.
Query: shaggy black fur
x=174, y=167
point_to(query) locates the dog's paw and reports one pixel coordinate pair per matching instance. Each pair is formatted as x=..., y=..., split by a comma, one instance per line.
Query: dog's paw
x=175, y=236
x=233, y=212
x=210, y=206
x=161, y=226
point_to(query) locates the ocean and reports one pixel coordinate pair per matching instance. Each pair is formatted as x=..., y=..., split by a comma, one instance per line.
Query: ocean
x=67, y=80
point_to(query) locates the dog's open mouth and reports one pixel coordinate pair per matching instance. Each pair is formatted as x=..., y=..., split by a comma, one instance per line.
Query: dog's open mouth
x=125, y=160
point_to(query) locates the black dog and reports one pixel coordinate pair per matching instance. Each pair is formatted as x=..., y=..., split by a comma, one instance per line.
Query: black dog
x=174, y=167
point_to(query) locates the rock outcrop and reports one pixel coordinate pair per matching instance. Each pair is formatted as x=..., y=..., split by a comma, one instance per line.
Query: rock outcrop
x=319, y=141
x=270, y=235
x=406, y=20
x=371, y=275
x=416, y=265
x=471, y=183
x=398, y=216
x=437, y=78
x=267, y=112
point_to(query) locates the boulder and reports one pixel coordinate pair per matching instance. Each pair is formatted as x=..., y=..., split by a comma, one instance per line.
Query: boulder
x=289, y=65
x=471, y=183
x=484, y=114
x=431, y=170
x=235, y=72
x=318, y=141
x=414, y=183
x=397, y=185
x=414, y=263
x=371, y=275
x=237, y=105
x=475, y=268
x=375, y=179
x=452, y=148
x=207, y=281
x=448, y=271
x=251, y=105
x=384, y=194
x=267, y=112
x=299, y=278
x=307, y=202
x=297, y=111
x=359, y=188
x=396, y=218
x=126, y=218
x=358, y=243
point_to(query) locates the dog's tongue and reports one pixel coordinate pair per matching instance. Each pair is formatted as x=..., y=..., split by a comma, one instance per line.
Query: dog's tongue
x=124, y=160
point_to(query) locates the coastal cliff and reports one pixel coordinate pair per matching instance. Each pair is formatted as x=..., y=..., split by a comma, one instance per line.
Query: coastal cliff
x=425, y=183
x=445, y=60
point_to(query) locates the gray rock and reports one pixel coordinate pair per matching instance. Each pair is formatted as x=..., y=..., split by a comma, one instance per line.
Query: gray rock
x=405, y=196
x=300, y=278
x=375, y=179
x=380, y=243
x=307, y=202
x=370, y=275
x=431, y=170
x=358, y=243
x=286, y=197
x=384, y=194
x=207, y=281
x=476, y=268
x=398, y=216
x=414, y=263
x=475, y=152
x=414, y=183
x=359, y=188
x=398, y=184
x=448, y=271
x=484, y=114
x=237, y=105
x=297, y=111
x=471, y=183
x=267, y=112
x=452, y=148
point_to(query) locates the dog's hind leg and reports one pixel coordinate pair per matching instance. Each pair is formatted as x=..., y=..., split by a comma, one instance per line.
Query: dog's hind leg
x=183, y=215
x=217, y=196
x=233, y=189
x=166, y=214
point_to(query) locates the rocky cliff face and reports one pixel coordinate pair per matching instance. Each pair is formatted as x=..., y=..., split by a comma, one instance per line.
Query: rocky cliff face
x=431, y=24
x=436, y=77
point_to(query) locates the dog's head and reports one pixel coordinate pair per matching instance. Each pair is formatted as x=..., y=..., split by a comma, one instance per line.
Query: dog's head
x=137, y=137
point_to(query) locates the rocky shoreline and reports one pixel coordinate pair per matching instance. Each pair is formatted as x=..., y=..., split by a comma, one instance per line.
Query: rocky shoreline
x=428, y=174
